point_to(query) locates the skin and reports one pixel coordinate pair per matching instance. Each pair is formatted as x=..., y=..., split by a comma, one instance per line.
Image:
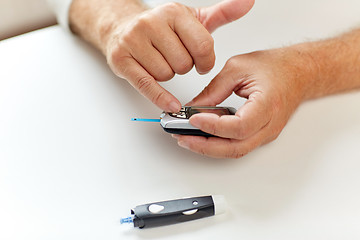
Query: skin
x=145, y=45
x=275, y=82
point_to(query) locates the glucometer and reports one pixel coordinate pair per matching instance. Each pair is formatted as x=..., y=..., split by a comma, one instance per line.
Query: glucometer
x=178, y=123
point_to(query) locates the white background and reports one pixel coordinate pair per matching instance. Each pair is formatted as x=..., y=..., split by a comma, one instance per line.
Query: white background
x=19, y=16
x=72, y=163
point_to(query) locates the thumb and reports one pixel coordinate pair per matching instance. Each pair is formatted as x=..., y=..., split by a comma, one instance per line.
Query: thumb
x=222, y=13
x=216, y=92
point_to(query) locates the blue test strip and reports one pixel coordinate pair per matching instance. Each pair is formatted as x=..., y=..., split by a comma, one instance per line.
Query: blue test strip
x=145, y=120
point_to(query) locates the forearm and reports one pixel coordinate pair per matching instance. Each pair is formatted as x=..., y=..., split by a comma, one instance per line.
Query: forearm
x=334, y=64
x=93, y=20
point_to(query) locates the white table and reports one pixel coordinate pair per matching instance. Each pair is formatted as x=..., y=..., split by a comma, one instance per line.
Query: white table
x=72, y=163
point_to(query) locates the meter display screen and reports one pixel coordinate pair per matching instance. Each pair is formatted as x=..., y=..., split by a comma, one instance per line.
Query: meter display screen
x=218, y=111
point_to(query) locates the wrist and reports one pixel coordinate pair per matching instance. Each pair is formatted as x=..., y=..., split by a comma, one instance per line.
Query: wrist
x=96, y=21
x=302, y=69
x=294, y=69
x=332, y=65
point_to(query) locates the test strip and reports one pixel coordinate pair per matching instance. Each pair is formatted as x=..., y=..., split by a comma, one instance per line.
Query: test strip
x=145, y=120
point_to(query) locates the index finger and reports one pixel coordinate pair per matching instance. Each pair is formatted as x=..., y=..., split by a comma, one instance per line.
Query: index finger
x=141, y=80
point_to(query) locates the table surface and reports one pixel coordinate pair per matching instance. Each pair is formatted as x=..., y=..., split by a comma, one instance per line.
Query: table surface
x=72, y=163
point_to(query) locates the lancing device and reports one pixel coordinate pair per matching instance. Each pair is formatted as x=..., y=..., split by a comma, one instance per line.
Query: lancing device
x=175, y=211
x=178, y=123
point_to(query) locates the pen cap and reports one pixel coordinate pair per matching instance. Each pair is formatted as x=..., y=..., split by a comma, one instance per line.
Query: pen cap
x=220, y=204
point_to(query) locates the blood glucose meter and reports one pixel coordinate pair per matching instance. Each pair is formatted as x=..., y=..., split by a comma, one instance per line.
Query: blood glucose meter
x=178, y=123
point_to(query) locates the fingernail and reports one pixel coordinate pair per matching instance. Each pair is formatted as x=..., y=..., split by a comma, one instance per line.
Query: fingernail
x=174, y=107
x=183, y=144
x=203, y=72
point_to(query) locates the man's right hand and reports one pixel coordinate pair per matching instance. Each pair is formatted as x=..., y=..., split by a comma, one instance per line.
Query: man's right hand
x=154, y=44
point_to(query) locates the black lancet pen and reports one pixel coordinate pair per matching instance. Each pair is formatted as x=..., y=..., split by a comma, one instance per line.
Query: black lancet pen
x=175, y=211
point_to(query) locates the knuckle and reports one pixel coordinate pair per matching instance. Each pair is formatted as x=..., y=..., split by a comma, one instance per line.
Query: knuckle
x=138, y=27
x=116, y=54
x=117, y=62
x=127, y=37
x=165, y=75
x=184, y=66
x=143, y=22
x=144, y=84
x=205, y=48
x=232, y=63
x=148, y=22
x=173, y=8
x=134, y=29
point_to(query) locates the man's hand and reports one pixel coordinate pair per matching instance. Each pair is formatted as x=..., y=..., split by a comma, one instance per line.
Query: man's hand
x=149, y=45
x=274, y=82
x=272, y=92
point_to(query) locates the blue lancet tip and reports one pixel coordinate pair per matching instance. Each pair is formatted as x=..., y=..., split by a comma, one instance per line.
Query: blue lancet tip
x=126, y=220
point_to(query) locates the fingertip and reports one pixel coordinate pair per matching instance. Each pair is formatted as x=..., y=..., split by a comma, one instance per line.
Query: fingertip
x=225, y=12
x=250, y=5
x=205, y=64
x=202, y=72
x=167, y=102
x=174, y=106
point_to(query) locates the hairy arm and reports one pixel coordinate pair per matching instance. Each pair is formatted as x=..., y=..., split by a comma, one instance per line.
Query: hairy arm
x=275, y=82
x=336, y=65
